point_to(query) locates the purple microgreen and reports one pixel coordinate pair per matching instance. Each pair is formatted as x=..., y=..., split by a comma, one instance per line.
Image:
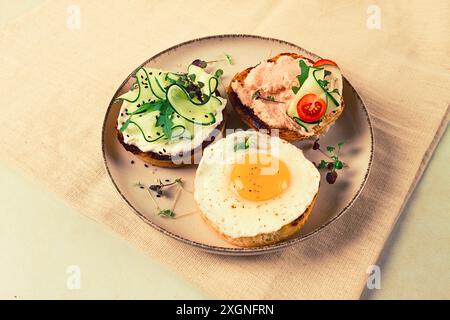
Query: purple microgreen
x=257, y=95
x=333, y=165
x=200, y=63
x=158, y=188
x=331, y=177
x=316, y=145
x=203, y=64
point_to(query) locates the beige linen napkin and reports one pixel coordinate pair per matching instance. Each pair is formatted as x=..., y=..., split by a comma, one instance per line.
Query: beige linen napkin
x=56, y=82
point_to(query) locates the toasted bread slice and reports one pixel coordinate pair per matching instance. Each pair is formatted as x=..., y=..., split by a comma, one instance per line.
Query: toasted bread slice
x=249, y=118
x=264, y=239
x=165, y=160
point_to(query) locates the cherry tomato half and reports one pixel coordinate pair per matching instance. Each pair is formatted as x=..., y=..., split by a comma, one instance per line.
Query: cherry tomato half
x=323, y=62
x=311, y=108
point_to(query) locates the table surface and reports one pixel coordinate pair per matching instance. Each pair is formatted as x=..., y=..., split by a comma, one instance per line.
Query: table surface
x=40, y=239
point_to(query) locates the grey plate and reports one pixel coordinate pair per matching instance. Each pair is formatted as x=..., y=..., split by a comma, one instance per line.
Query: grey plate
x=354, y=127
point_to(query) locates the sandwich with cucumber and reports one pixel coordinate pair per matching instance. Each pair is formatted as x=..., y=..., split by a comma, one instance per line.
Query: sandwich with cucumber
x=166, y=117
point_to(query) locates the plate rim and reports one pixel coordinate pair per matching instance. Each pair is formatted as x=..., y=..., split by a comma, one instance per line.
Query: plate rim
x=238, y=250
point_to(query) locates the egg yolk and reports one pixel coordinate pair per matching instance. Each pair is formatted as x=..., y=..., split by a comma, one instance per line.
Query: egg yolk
x=259, y=177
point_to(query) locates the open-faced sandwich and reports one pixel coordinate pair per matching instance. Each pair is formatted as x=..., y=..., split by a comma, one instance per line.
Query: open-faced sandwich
x=166, y=117
x=254, y=189
x=291, y=93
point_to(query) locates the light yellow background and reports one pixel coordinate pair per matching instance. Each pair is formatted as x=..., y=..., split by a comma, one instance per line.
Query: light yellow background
x=40, y=236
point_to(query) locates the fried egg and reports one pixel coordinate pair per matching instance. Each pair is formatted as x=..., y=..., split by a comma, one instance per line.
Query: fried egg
x=250, y=183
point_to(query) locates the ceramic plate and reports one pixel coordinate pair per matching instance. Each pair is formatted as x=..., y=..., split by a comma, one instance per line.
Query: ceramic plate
x=353, y=126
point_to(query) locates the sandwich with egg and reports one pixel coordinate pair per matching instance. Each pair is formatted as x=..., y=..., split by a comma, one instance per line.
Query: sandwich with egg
x=254, y=189
x=291, y=93
x=166, y=117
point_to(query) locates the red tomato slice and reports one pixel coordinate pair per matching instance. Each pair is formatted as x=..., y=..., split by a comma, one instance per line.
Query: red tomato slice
x=311, y=108
x=323, y=62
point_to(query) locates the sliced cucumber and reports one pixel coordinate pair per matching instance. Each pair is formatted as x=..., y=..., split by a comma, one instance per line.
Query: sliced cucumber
x=156, y=85
x=179, y=123
x=210, y=82
x=309, y=86
x=321, y=76
x=171, y=77
x=144, y=125
x=157, y=82
x=129, y=96
x=312, y=85
x=336, y=90
x=202, y=114
x=136, y=98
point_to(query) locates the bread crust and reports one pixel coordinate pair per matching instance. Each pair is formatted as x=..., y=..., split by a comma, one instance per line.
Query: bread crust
x=247, y=115
x=264, y=239
x=165, y=160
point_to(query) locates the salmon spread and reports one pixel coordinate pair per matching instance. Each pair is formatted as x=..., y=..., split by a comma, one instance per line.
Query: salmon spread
x=273, y=92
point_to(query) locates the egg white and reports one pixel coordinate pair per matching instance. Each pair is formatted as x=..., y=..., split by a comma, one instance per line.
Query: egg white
x=237, y=217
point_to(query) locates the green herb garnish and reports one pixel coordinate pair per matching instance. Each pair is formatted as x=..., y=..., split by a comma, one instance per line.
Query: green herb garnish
x=304, y=69
x=166, y=213
x=218, y=73
x=323, y=83
x=164, y=119
x=191, y=77
x=335, y=91
x=228, y=57
x=243, y=145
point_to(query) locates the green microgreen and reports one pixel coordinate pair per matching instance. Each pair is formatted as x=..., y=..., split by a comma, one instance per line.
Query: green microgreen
x=158, y=188
x=229, y=59
x=334, y=163
x=243, y=145
x=304, y=72
x=164, y=120
x=335, y=91
x=203, y=64
x=301, y=78
x=323, y=83
x=166, y=213
x=218, y=73
x=257, y=95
